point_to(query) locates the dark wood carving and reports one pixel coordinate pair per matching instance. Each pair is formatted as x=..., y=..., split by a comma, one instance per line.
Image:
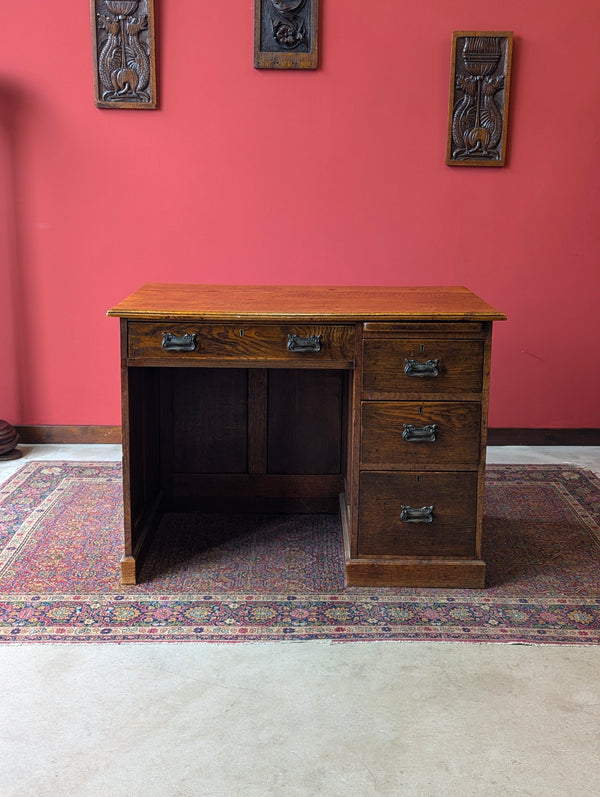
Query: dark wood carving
x=479, y=93
x=124, y=53
x=286, y=34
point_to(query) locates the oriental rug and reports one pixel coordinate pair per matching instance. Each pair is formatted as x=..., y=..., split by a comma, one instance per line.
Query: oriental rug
x=216, y=578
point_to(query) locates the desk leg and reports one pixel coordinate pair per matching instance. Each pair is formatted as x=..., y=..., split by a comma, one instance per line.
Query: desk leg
x=128, y=574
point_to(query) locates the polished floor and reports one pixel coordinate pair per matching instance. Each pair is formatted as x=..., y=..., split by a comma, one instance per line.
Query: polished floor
x=311, y=718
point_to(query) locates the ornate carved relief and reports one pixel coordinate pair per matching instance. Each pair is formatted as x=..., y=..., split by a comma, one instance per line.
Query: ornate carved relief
x=286, y=34
x=479, y=93
x=124, y=60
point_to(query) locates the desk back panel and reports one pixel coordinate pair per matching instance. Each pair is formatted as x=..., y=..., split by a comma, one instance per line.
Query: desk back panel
x=260, y=438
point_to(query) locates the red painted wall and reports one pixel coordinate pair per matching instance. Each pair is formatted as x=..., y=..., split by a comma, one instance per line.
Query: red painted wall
x=333, y=176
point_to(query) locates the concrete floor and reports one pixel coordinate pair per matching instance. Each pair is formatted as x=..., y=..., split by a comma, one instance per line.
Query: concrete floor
x=310, y=718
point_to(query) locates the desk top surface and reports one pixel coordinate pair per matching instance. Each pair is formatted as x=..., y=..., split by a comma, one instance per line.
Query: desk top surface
x=323, y=303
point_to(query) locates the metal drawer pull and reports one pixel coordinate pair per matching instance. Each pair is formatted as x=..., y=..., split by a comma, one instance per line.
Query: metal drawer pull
x=298, y=344
x=411, y=514
x=419, y=434
x=416, y=368
x=172, y=342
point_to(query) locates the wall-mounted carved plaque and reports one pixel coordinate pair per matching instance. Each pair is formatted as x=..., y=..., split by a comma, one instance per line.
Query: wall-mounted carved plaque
x=286, y=34
x=479, y=92
x=124, y=53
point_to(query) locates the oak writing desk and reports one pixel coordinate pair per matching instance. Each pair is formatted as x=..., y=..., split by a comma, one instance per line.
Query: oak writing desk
x=306, y=399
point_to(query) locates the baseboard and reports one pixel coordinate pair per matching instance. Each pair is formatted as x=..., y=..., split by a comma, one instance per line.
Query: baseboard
x=496, y=437
x=69, y=434
x=543, y=437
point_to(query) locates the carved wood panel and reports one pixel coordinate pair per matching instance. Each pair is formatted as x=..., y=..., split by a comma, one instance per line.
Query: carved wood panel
x=479, y=93
x=286, y=34
x=124, y=53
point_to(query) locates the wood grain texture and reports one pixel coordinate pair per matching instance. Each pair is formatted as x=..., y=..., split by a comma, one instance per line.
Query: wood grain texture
x=244, y=341
x=305, y=421
x=383, y=533
x=415, y=573
x=210, y=420
x=168, y=301
x=459, y=364
x=457, y=438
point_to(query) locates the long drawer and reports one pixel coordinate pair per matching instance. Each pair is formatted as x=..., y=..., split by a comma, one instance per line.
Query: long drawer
x=299, y=345
x=423, y=366
x=409, y=433
x=427, y=514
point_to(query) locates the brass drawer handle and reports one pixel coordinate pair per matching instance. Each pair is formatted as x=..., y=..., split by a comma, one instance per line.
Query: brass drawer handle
x=171, y=342
x=427, y=368
x=419, y=434
x=297, y=344
x=423, y=514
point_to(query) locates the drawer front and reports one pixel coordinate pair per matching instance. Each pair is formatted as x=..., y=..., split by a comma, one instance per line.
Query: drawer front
x=308, y=345
x=401, y=433
x=394, y=517
x=422, y=366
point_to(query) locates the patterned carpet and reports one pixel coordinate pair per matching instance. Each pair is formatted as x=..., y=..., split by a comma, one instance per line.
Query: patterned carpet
x=250, y=577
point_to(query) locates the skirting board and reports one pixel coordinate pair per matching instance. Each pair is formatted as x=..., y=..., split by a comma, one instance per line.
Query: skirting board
x=543, y=437
x=69, y=434
x=496, y=437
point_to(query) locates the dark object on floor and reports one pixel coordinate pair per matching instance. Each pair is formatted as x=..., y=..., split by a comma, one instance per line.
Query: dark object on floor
x=9, y=439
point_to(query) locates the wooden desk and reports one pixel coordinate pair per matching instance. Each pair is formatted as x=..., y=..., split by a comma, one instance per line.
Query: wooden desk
x=305, y=399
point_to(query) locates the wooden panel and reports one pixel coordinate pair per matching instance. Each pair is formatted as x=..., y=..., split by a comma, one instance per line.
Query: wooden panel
x=247, y=342
x=454, y=441
x=257, y=492
x=305, y=421
x=289, y=303
x=374, y=329
x=479, y=93
x=258, y=382
x=439, y=574
x=460, y=366
x=286, y=34
x=210, y=420
x=124, y=54
x=143, y=443
x=383, y=533
x=142, y=491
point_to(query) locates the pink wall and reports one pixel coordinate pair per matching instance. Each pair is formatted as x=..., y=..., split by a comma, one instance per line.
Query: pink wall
x=333, y=176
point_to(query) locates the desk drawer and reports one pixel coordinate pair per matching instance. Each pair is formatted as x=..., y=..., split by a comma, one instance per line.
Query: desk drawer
x=297, y=345
x=448, y=530
x=422, y=366
x=401, y=433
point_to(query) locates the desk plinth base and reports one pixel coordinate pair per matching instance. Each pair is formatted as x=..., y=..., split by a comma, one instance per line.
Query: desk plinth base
x=415, y=573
